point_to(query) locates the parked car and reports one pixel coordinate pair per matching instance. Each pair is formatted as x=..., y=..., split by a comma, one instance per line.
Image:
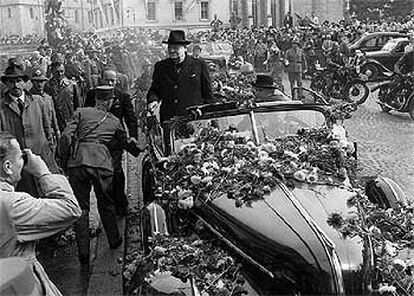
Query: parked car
x=283, y=239
x=380, y=64
x=375, y=41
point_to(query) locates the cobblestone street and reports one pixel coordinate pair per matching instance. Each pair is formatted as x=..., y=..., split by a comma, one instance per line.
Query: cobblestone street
x=385, y=143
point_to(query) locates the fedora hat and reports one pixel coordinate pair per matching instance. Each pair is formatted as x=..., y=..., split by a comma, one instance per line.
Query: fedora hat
x=14, y=71
x=176, y=37
x=264, y=81
x=295, y=40
x=38, y=74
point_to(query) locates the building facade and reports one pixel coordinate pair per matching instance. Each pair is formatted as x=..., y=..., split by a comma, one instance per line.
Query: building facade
x=28, y=16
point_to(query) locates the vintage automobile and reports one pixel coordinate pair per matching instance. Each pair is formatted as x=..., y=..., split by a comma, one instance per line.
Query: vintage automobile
x=380, y=64
x=283, y=239
x=375, y=41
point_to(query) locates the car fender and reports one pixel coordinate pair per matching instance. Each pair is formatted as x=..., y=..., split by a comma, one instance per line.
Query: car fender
x=381, y=67
x=379, y=85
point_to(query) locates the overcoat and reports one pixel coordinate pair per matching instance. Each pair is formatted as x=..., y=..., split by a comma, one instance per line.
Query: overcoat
x=180, y=86
x=32, y=129
x=25, y=219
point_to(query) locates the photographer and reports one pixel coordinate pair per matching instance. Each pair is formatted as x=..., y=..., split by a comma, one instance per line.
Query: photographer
x=25, y=219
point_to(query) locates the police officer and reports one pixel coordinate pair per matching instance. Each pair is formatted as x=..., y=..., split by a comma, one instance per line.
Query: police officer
x=123, y=109
x=295, y=61
x=84, y=151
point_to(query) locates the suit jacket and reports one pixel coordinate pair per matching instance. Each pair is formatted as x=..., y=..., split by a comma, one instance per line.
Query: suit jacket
x=32, y=129
x=93, y=148
x=121, y=108
x=25, y=219
x=179, y=89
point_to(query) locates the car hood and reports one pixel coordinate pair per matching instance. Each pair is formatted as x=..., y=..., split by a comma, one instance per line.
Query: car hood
x=288, y=229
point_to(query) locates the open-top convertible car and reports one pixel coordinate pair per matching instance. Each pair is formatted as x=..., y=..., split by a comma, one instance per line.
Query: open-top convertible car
x=265, y=180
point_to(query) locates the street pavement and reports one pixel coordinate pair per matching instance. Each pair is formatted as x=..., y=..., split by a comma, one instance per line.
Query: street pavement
x=385, y=143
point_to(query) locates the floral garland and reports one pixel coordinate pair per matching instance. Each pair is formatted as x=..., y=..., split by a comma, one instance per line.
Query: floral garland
x=220, y=162
x=391, y=232
x=196, y=258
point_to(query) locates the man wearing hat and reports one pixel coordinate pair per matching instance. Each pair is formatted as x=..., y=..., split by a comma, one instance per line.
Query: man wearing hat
x=23, y=116
x=84, y=152
x=266, y=90
x=180, y=80
x=295, y=61
x=39, y=79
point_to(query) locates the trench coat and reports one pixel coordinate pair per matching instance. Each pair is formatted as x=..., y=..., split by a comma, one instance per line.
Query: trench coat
x=25, y=219
x=179, y=89
x=32, y=129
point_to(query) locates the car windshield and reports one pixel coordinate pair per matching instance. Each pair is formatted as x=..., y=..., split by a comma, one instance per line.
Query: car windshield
x=260, y=127
x=389, y=45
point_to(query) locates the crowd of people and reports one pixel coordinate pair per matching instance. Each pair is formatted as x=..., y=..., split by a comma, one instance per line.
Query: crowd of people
x=67, y=104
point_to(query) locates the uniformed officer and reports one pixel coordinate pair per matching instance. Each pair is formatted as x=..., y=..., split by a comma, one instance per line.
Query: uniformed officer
x=123, y=109
x=295, y=61
x=39, y=79
x=84, y=151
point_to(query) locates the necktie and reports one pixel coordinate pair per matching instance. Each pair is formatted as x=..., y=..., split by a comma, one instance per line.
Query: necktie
x=21, y=105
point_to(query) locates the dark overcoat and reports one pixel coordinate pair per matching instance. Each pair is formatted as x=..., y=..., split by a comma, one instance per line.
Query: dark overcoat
x=180, y=87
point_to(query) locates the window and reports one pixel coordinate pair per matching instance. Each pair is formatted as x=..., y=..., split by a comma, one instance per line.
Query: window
x=235, y=7
x=204, y=10
x=31, y=13
x=178, y=10
x=151, y=11
x=76, y=16
x=9, y=12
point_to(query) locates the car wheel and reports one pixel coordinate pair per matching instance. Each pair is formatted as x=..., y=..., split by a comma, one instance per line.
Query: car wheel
x=372, y=69
x=317, y=84
x=358, y=92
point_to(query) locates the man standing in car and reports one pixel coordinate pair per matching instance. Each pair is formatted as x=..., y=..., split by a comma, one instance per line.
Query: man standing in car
x=179, y=81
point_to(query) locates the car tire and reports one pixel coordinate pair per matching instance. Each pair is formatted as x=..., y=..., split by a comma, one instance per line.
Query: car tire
x=374, y=71
x=351, y=91
x=317, y=84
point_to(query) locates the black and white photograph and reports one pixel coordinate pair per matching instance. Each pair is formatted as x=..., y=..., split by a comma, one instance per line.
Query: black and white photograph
x=206, y=147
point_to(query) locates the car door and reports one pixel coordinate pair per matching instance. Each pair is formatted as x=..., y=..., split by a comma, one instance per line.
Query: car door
x=369, y=45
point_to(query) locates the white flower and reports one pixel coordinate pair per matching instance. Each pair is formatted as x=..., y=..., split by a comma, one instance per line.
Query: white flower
x=263, y=154
x=385, y=288
x=250, y=145
x=187, y=203
x=269, y=147
x=195, y=179
x=375, y=231
x=300, y=175
x=390, y=249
